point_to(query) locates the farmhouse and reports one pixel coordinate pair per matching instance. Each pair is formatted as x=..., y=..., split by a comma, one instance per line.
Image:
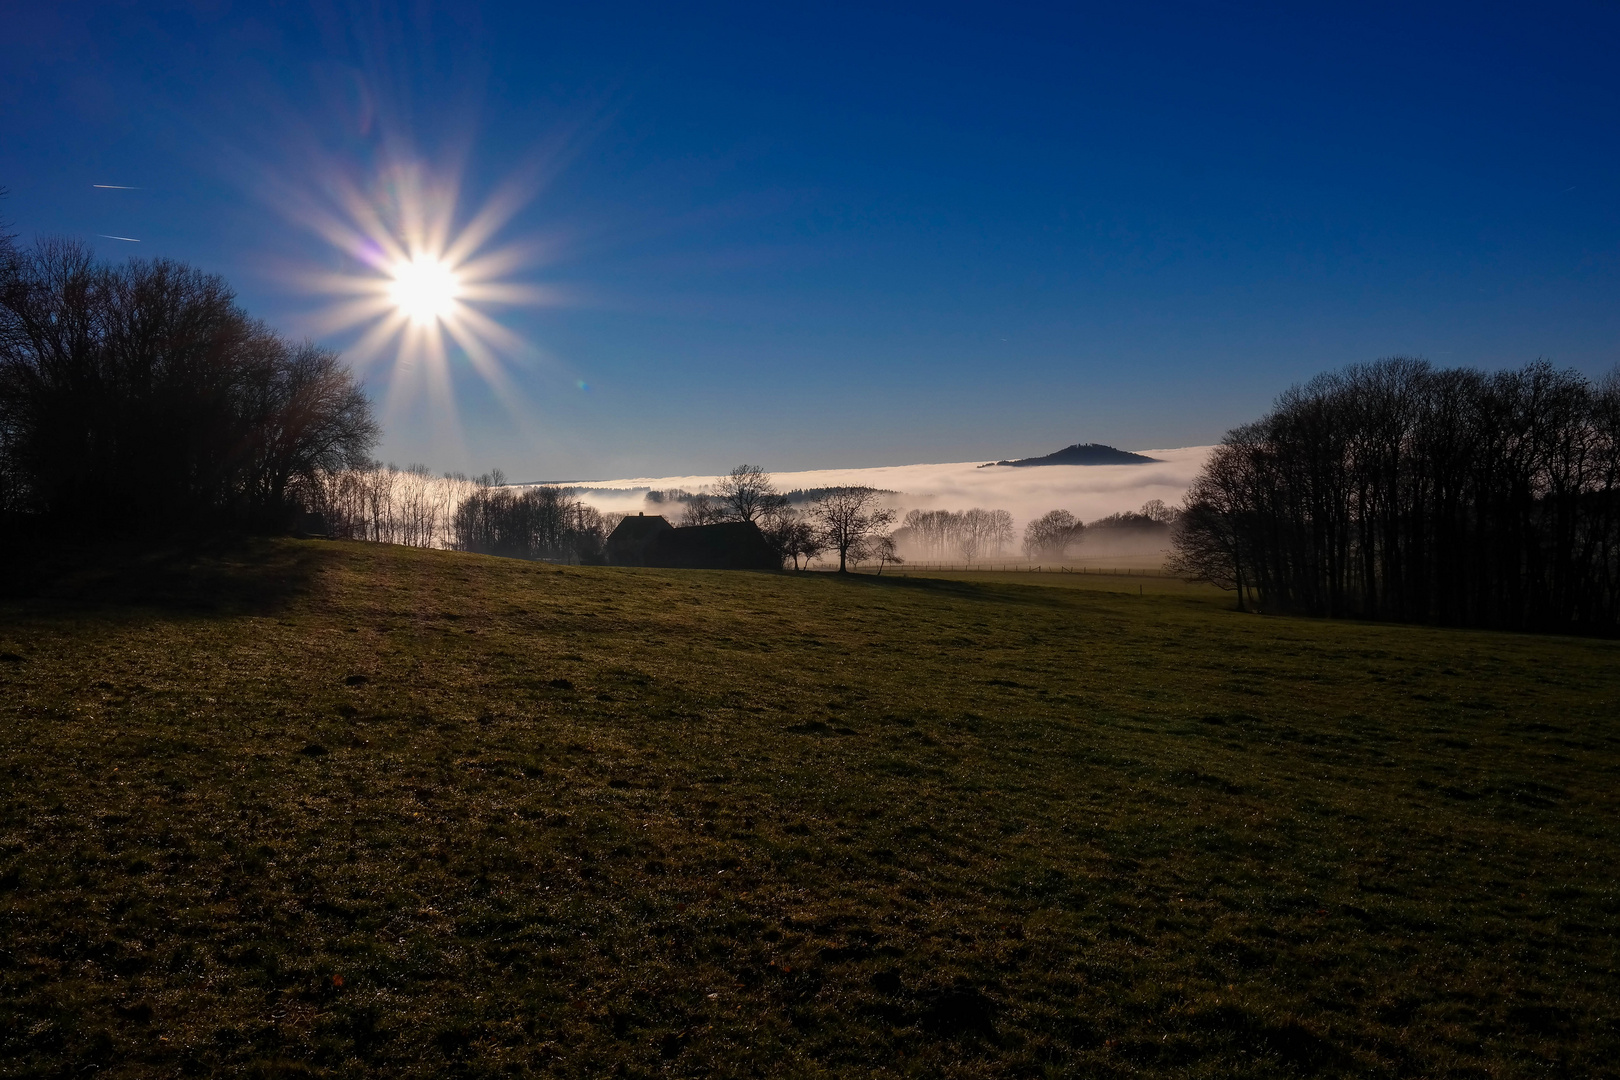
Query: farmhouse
x=628, y=544
x=728, y=545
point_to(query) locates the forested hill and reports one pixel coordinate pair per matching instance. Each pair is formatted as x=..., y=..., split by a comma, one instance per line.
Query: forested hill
x=1083, y=454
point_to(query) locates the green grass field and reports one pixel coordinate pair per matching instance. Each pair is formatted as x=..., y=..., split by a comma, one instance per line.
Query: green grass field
x=333, y=809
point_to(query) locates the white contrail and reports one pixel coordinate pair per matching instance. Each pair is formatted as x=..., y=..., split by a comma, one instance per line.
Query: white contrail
x=115, y=187
x=131, y=239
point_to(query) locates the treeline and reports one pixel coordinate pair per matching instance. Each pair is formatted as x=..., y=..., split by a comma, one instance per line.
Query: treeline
x=141, y=397
x=1400, y=491
x=1051, y=535
x=388, y=505
x=532, y=523
x=974, y=534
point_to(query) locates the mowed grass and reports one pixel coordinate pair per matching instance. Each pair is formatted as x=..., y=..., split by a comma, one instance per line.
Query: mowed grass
x=332, y=809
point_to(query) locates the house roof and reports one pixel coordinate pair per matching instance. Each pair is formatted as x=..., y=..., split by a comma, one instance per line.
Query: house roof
x=628, y=543
x=728, y=545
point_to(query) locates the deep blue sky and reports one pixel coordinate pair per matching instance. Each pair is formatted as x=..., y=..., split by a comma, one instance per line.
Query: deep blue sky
x=835, y=236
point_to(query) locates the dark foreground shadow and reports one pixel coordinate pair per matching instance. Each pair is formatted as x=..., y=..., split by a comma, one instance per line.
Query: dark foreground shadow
x=987, y=591
x=226, y=575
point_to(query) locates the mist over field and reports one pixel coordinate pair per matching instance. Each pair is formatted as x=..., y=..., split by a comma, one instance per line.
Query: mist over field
x=1087, y=491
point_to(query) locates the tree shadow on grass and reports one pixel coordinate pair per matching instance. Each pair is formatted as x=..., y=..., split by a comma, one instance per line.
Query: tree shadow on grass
x=225, y=575
x=985, y=591
x=1031, y=595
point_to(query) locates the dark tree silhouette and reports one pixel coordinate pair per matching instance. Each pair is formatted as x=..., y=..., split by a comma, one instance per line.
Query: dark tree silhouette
x=1398, y=491
x=1050, y=535
x=746, y=493
x=141, y=396
x=701, y=509
x=310, y=417
x=885, y=551
x=849, y=520
x=539, y=523
x=7, y=239
x=790, y=534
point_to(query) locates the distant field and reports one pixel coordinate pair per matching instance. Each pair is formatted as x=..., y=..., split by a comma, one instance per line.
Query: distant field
x=331, y=809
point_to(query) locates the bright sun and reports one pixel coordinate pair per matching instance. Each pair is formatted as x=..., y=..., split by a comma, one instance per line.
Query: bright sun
x=421, y=286
x=424, y=289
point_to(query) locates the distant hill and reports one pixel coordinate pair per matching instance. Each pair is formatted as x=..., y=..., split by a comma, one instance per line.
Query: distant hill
x=1081, y=454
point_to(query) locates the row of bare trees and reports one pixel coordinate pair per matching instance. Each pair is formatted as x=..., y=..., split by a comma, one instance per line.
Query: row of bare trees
x=142, y=397
x=974, y=534
x=532, y=523
x=389, y=505
x=985, y=534
x=1399, y=491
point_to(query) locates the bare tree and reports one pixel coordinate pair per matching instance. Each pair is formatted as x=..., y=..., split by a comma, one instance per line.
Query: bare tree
x=142, y=396
x=8, y=239
x=701, y=510
x=884, y=550
x=1158, y=511
x=982, y=532
x=849, y=519
x=998, y=528
x=417, y=523
x=312, y=417
x=934, y=531
x=747, y=494
x=1398, y=491
x=1206, y=543
x=387, y=504
x=793, y=537
x=538, y=523
x=1050, y=535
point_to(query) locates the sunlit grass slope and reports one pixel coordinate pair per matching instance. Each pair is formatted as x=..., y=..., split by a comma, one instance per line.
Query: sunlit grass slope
x=358, y=810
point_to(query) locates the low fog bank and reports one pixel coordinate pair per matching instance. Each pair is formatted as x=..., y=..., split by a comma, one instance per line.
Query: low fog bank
x=1121, y=547
x=1086, y=491
x=1089, y=492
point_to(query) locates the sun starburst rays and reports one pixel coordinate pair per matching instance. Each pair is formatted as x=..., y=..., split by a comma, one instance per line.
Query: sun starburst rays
x=418, y=286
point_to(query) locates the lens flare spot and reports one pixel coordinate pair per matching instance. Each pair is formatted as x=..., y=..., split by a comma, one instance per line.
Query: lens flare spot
x=425, y=290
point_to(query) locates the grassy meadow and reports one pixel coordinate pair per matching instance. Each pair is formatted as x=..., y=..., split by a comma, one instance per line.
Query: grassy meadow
x=1134, y=582
x=310, y=809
